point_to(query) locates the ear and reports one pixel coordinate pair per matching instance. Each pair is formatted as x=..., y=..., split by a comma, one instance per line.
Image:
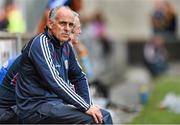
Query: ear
x=50, y=24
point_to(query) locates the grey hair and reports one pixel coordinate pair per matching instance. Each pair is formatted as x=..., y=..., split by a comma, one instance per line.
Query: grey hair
x=75, y=14
x=53, y=12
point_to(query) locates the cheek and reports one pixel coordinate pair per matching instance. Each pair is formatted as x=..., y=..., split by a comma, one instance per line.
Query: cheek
x=57, y=30
x=54, y=29
x=77, y=33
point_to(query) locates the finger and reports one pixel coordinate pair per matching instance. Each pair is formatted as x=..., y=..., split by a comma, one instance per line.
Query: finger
x=99, y=117
x=99, y=112
x=95, y=118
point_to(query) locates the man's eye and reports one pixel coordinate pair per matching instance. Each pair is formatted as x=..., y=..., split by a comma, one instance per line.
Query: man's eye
x=62, y=23
x=71, y=25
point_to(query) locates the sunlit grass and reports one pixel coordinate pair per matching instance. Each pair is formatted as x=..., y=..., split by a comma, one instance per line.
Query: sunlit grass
x=151, y=112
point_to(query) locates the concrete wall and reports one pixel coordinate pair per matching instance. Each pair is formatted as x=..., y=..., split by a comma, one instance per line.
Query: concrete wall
x=126, y=18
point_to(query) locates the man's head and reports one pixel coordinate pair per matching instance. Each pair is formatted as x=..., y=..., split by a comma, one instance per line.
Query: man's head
x=77, y=25
x=61, y=23
x=77, y=28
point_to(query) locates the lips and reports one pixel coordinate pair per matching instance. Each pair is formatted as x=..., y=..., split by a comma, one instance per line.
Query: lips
x=65, y=35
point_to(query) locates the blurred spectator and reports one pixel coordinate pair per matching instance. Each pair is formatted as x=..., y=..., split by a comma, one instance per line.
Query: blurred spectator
x=99, y=28
x=155, y=55
x=16, y=22
x=164, y=19
x=80, y=48
x=3, y=20
x=95, y=34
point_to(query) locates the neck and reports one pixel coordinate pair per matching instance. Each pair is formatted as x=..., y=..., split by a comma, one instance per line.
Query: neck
x=53, y=37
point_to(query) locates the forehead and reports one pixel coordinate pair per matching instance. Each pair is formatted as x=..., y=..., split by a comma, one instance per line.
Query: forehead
x=77, y=21
x=65, y=15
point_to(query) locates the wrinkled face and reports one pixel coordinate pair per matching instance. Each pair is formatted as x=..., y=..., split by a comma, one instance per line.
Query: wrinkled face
x=77, y=27
x=76, y=30
x=61, y=27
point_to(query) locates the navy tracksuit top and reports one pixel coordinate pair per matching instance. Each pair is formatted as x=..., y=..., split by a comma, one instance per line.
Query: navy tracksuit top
x=46, y=71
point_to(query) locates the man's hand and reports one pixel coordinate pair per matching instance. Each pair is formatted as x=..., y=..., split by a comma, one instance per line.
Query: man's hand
x=95, y=112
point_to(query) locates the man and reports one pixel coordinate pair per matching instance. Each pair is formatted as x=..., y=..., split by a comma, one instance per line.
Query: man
x=79, y=47
x=48, y=66
x=74, y=37
x=7, y=92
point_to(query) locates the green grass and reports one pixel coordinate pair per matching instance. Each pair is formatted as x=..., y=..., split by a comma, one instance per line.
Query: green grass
x=151, y=114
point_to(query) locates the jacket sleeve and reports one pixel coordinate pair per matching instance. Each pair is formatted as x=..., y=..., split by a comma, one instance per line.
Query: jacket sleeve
x=41, y=55
x=5, y=68
x=78, y=78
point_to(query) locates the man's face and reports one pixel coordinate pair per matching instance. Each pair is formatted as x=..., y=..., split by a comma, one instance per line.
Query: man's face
x=63, y=24
x=77, y=27
x=76, y=31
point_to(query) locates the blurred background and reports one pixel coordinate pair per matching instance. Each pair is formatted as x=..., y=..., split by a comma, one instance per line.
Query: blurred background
x=130, y=51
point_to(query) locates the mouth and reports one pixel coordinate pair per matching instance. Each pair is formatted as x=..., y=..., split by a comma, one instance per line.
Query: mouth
x=65, y=35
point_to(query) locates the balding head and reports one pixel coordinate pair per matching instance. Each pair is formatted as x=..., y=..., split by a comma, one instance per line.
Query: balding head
x=76, y=30
x=62, y=9
x=61, y=22
x=77, y=23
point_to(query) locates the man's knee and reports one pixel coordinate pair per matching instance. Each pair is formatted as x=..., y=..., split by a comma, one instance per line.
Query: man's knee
x=86, y=119
x=107, y=119
x=8, y=116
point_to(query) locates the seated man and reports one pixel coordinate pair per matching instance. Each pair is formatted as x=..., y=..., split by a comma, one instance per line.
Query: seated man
x=7, y=91
x=48, y=68
x=79, y=48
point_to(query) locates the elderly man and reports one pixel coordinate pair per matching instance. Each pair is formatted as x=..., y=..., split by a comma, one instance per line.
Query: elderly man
x=48, y=68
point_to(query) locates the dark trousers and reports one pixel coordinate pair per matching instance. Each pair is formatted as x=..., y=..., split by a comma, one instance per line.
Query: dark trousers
x=52, y=113
x=8, y=116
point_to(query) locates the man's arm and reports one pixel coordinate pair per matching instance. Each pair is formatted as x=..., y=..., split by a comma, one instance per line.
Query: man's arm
x=41, y=55
x=5, y=68
x=78, y=78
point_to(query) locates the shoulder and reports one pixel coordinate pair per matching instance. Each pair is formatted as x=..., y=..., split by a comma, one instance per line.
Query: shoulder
x=69, y=45
x=39, y=38
x=39, y=41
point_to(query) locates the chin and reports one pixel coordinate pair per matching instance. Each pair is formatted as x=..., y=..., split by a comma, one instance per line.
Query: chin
x=64, y=40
